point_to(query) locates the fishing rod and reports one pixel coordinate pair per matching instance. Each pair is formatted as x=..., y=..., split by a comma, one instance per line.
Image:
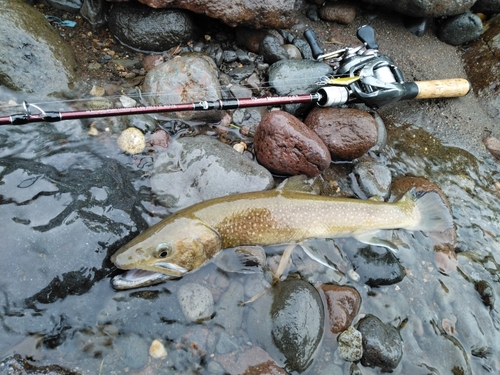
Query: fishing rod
x=361, y=75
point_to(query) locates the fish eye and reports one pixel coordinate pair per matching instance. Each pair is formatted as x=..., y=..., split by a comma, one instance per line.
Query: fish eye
x=163, y=250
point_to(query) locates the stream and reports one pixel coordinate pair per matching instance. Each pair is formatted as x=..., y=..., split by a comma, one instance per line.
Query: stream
x=70, y=199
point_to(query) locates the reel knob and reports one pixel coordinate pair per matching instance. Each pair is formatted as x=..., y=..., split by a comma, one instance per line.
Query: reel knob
x=367, y=35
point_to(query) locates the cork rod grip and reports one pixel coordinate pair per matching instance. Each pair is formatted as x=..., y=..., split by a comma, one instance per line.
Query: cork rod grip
x=443, y=88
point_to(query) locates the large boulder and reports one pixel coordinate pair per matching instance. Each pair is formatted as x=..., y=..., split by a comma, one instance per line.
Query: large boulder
x=426, y=8
x=33, y=57
x=147, y=29
x=273, y=14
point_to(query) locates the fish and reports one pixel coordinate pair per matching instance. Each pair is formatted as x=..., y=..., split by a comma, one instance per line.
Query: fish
x=185, y=240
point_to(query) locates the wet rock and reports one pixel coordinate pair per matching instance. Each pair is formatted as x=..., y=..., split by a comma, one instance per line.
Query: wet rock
x=425, y=8
x=147, y=29
x=30, y=46
x=131, y=349
x=241, y=73
x=348, y=133
x=341, y=13
x=249, y=117
x=17, y=365
x=416, y=25
x=382, y=344
x=376, y=265
x=297, y=322
x=273, y=14
x=461, y=29
x=225, y=344
x=288, y=323
x=252, y=361
x=483, y=66
x=343, y=303
x=229, y=311
x=200, y=168
x=350, y=345
x=303, y=47
x=284, y=145
x=272, y=49
x=290, y=77
x=312, y=13
x=196, y=301
x=187, y=78
x=94, y=11
x=374, y=178
x=67, y=5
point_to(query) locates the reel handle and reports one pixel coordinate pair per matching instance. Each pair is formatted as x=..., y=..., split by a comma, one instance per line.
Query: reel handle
x=441, y=88
x=366, y=34
x=312, y=39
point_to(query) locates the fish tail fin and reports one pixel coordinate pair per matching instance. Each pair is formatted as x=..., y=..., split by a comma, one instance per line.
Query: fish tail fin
x=431, y=212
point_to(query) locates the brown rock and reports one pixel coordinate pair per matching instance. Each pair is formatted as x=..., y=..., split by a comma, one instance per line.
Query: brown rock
x=284, y=145
x=341, y=13
x=250, y=38
x=274, y=14
x=343, y=305
x=253, y=361
x=493, y=146
x=348, y=133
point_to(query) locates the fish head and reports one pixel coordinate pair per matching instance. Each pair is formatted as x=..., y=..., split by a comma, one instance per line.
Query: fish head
x=171, y=247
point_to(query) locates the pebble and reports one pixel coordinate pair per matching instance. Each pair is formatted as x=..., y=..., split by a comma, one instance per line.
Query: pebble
x=157, y=350
x=382, y=344
x=373, y=177
x=341, y=13
x=132, y=140
x=97, y=91
x=347, y=132
x=271, y=48
x=292, y=51
x=486, y=292
x=492, y=144
x=343, y=303
x=286, y=146
x=350, y=345
x=196, y=302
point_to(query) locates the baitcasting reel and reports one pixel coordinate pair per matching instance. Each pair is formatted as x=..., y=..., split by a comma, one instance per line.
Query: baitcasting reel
x=364, y=75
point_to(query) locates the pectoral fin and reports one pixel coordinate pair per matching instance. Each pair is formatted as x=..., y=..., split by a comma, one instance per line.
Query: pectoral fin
x=372, y=238
x=243, y=259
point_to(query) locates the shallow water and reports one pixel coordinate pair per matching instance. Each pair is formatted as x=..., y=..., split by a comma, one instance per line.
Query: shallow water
x=69, y=200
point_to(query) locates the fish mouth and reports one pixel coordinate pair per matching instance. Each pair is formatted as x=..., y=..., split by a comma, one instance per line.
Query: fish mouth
x=138, y=277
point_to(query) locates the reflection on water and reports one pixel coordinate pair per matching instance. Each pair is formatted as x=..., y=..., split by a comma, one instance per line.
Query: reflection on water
x=68, y=201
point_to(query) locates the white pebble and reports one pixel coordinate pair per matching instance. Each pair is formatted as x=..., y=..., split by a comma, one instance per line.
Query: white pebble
x=157, y=350
x=132, y=140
